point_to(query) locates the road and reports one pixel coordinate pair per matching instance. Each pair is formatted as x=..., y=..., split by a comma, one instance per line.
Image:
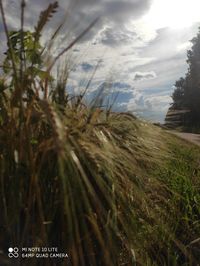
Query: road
x=194, y=138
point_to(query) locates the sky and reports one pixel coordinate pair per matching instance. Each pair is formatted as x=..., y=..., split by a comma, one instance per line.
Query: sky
x=137, y=49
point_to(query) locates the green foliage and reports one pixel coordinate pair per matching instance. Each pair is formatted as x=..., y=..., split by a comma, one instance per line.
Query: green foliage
x=187, y=92
x=31, y=49
x=178, y=94
x=29, y=53
x=181, y=176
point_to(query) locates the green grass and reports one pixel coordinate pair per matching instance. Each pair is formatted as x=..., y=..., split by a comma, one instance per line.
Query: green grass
x=181, y=176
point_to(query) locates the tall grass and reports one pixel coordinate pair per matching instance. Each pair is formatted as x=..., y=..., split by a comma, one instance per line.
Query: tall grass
x=59, y=185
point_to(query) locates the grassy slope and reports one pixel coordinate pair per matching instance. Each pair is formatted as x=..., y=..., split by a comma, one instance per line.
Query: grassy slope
x=113, y=192
x=169, y=172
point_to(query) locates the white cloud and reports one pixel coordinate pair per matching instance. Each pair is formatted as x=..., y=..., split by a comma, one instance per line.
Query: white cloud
x=147, y=57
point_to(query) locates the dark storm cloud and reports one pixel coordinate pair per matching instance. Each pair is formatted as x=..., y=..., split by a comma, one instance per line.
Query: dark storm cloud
x=112, y=9
x=143, y=76
x=115, y=37
x=123, y=10
x=114, y=15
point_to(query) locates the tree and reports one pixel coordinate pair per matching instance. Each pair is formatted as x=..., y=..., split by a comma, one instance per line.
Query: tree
x=187, y=92
x=178, y=94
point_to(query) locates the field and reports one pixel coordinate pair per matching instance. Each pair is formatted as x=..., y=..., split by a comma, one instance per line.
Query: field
x=121, y=188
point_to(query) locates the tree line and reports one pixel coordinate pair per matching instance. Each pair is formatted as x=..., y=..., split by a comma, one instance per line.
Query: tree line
x=186, y=95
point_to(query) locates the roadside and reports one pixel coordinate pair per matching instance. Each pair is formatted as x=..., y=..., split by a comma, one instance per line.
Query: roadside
x=193, y=138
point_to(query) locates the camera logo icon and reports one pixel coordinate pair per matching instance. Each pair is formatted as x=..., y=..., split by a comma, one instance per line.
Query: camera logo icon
x=13, y=252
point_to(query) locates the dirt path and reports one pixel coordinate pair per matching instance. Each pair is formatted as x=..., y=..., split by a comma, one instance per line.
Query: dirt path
x=194, y=138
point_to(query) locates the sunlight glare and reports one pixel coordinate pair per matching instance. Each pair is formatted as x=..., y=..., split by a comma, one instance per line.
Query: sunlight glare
x=173, y=13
